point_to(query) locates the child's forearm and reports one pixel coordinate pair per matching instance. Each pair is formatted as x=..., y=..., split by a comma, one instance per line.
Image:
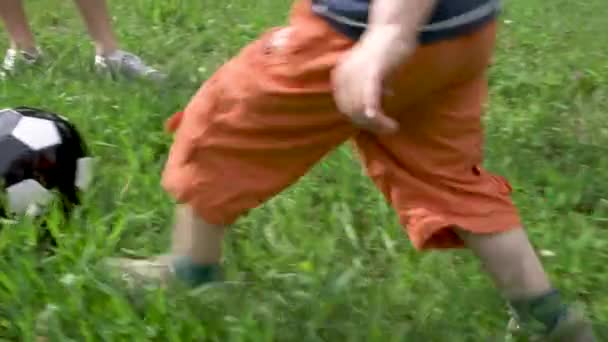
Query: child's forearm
x=399, y=18
x=405, y=15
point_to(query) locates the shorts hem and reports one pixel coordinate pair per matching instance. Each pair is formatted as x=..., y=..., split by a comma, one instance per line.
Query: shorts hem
x=428, y=230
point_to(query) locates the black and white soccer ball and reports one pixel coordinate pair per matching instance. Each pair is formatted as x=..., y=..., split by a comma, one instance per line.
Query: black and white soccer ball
x=43, y=160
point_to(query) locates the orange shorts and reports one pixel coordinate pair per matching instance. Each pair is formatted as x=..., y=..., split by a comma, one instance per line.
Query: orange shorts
x=267, y=116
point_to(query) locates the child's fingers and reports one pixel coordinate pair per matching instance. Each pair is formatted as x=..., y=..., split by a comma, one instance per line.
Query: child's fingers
x=173, y=122
x=383, y=124
x=379, y=122
x=376, y=123
x=372, y=93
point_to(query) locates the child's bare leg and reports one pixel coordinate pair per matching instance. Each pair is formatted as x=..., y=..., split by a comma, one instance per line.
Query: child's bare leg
x=196, y=247
x=15, y=20
x=97, y=19
x=510, y=260
x=195, y=238
x=194, y=256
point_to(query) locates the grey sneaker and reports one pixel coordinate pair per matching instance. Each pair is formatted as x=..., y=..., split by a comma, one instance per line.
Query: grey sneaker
x=15, y=58
x=573, y=327
x=127, y=64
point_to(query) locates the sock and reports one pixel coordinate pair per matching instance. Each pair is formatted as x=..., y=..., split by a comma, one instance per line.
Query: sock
x=546, y=309
x=195, y=274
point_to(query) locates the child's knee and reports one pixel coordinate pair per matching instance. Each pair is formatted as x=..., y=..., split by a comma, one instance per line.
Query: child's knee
x=513, y=236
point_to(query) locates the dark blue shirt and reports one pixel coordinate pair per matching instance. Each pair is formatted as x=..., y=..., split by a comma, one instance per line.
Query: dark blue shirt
x=450, y=18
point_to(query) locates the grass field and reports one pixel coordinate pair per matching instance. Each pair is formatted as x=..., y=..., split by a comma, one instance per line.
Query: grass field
x=326, y=260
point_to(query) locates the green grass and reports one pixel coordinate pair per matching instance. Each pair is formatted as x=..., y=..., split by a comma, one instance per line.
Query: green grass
x=325, y=260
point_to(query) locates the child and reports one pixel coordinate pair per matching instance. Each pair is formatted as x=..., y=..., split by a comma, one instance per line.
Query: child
x=407, y=81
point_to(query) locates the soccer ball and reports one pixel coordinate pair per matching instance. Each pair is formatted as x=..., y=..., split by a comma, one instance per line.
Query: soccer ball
x=42, y=159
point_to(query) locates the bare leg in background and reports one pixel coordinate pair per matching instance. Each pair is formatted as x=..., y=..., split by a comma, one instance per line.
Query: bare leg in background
x=97, y=19
x=15, y=20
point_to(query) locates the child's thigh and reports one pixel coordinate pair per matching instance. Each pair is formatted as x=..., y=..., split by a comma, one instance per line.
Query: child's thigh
x=259, y=123
x=431, y=171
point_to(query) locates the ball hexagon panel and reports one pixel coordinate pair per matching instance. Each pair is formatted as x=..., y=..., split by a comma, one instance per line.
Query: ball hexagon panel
x=8, y=121
x=37, y=133
x=12, y=151
x=27, y=196
x=84, y=172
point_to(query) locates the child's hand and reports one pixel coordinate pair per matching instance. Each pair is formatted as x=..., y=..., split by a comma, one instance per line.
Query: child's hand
x=360, y=76
x=359, y=79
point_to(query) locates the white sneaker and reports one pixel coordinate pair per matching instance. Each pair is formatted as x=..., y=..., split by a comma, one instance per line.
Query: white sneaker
x=14, y=58
x=127, y=64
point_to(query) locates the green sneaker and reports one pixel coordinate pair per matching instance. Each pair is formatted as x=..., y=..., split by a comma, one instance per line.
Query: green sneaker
x=573, y=327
